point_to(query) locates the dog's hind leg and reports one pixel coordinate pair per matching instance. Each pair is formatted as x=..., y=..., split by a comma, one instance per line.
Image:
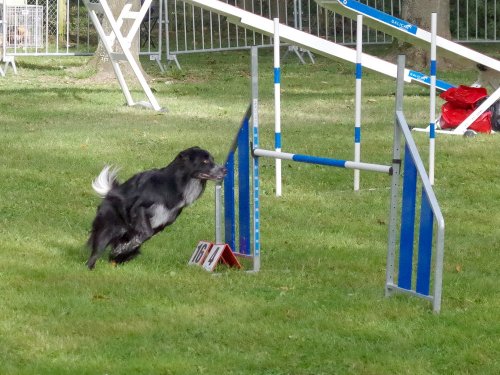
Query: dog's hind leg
x=98, y=242
x=96, y=253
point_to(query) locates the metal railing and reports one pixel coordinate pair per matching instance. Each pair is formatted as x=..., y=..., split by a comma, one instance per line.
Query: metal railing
x=63, y=27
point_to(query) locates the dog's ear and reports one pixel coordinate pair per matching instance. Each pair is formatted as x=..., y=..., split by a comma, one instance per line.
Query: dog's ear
x=186, y=154
x=183, y=155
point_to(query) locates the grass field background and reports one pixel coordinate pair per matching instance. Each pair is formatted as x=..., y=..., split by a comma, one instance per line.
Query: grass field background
x=316, y=307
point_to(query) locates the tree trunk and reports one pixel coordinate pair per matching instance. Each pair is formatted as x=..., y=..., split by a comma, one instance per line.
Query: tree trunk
x=62, y=17
x=101, y=59
x=418, y=12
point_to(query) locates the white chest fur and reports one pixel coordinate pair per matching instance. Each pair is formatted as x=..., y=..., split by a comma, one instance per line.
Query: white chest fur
x=193, y=191
x=161, y=215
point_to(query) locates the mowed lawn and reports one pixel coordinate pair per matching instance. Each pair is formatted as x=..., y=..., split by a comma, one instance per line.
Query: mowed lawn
x=316, y=307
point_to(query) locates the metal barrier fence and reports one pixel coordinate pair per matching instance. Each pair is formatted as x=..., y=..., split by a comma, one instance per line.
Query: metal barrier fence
x=62, y=27
x=192, y=29
x=46, y=27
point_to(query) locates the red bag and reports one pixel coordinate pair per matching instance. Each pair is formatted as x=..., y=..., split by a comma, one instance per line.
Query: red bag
x=452, y=116
x=461, y=102
x=464, y=96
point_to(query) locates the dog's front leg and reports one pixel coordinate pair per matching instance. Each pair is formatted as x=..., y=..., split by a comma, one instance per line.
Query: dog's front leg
x=126, y=247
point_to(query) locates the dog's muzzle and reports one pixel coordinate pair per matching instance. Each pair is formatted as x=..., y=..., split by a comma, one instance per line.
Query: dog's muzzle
x=216, y=173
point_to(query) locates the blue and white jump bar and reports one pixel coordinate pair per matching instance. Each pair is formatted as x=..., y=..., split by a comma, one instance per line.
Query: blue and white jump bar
x=323, y=161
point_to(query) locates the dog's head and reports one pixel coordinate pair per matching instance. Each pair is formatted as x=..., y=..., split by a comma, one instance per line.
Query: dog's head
x=200, y=164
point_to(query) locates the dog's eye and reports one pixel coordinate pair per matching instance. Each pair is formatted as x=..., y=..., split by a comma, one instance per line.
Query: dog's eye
x=206, y=161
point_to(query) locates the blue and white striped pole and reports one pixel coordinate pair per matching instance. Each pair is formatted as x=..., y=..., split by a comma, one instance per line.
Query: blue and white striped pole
x=277, y=103
x=255, y=137
x=432, y=111
x=357, y=115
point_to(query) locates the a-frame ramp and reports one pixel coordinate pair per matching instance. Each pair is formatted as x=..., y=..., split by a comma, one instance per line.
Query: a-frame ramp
x=410, y=33
x=118, y=46
x=310, y=42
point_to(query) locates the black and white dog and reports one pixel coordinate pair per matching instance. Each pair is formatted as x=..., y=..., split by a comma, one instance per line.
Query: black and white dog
x=134, y=211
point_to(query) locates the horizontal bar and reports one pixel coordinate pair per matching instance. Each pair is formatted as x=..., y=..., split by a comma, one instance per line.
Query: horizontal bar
x=427, y=130
x=392, y=288
x=323, y=161
x=47, y=53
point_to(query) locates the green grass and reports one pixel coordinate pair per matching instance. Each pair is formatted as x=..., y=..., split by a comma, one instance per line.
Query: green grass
x=316, y=307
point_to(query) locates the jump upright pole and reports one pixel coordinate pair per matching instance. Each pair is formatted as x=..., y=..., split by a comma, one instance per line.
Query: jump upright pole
x=432, y=110
x=277, y=103
x=357, y=115
x=255, y=161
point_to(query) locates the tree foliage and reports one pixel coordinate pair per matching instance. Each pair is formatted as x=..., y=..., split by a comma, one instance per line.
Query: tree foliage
x=474, y=19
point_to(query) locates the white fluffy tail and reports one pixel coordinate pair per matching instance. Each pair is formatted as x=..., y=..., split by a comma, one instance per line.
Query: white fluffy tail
x=105, y=181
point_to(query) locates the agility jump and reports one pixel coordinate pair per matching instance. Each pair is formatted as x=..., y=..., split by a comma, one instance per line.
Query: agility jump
x=403, y=204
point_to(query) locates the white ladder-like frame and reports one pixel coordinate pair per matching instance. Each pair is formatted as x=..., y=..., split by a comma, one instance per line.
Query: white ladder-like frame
x=8, y=60
x=124, y=42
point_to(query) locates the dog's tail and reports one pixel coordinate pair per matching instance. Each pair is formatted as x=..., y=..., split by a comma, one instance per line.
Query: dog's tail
x=105, y=181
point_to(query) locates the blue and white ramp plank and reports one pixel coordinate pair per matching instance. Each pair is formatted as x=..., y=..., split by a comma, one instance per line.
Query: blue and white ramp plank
x=406, y=31
x=300, y=158
x=308, y=41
